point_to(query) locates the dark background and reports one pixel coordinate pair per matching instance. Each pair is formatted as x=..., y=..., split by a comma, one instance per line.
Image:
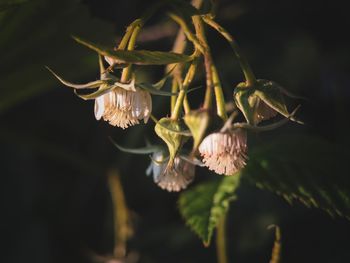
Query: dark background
x=55, y=204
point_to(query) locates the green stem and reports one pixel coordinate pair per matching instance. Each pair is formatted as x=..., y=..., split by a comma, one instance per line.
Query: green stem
x=185, y=28
x=187, y=107
x=219, y=95
x=198, y=24
x=179, y=47
x=221, y=241
x=174, y=89
x=130, y=29
x=247, y=71
x=187, y=81
x=131, y=36
x=126, y=73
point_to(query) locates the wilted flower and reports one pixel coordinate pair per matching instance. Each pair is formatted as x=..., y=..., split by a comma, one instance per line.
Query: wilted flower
x=263, y=112
x=174, y=177
x=124, y=108
x=225, y=152
x=262, y=101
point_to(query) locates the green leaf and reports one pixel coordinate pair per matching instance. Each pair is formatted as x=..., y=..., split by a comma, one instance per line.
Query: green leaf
x=139, y=57
x=151, y=89
x=303, y=168
x=204, y=205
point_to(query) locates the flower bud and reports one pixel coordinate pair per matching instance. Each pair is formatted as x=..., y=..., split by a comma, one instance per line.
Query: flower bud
x=261, y=102
x=169, y=131
x=197, y=121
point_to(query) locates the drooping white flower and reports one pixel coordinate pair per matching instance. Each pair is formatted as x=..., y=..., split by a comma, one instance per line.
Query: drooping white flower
x=225, y=152
x=174, y=177
x=124, y=108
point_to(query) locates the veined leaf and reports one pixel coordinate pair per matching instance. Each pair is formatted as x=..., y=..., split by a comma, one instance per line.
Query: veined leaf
x=204, y=205
x=303, y=168
x=151, y=89
x=139, y=57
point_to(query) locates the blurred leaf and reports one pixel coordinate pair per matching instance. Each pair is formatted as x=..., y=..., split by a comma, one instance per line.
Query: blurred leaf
x=204, y=205
x=122, y=226
x=276, y=249
x=7, y=4
x=139, y=57
x=303, y=168
x=22, y=79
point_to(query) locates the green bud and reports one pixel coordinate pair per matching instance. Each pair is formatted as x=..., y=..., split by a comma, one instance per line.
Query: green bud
x=262, y=101
x=197, y=121
x=168, y=130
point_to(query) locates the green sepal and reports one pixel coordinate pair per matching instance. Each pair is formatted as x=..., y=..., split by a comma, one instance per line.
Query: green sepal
x=165, y=128
x=90, y=85
x=144, y=150
x=270, y=93
x=151, y=89
x=197, y=121
x=138, y=57
x=101, y=91
x=245, y=101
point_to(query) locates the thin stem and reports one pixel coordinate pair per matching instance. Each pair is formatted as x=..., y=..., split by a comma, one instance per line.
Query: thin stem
x=187, y=81
x=247, y=71
x=123, y=43
x=198, y=24
x=185, y=28
x=187, y=107
x=134, y=30
x=219, y=95
x=221, y=241
x=174, y=89
x=126, y=73
x=179, y=47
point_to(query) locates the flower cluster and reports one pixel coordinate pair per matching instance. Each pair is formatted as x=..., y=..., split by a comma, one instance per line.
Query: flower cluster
x=123, y=102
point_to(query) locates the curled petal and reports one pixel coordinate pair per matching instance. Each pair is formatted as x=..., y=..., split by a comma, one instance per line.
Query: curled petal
x=124, y=108
x=225, y=152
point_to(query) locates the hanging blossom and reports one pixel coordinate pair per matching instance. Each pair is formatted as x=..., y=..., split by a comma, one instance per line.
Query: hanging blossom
x=172, y=178
x=125, y=105
x=121, y=104
x=225, y=152
x=124, y=108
